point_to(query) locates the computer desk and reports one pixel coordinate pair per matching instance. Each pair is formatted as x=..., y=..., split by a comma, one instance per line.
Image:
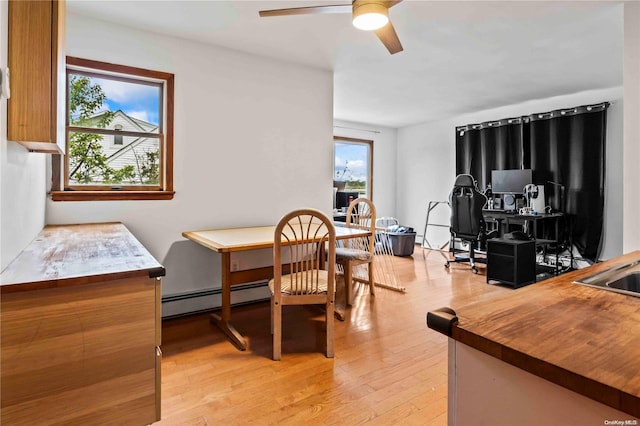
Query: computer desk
x=508, y=217
x=500, y=216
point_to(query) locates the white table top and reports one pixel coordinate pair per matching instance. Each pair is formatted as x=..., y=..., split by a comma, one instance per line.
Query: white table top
x=242, y=239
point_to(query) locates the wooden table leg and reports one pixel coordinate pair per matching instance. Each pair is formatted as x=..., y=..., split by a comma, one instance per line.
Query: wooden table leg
x=234, y=336
x=340, y=304
x=223, y=320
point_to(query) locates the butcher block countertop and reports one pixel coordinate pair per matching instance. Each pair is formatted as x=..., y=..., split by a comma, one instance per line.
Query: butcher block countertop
x=582, y=338
x=67, y=255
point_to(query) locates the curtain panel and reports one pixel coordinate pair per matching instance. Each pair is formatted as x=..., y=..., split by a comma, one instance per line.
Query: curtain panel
x=565, y=149
x=494, y=145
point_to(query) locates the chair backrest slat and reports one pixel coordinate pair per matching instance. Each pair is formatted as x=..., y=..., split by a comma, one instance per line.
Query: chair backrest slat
x=305, y=234
x=361, y=214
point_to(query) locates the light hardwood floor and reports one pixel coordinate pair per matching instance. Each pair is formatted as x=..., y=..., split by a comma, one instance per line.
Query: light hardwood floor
x=389, y=368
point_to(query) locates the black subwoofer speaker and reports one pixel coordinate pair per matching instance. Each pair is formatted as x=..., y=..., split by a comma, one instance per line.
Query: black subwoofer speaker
x=511, y=262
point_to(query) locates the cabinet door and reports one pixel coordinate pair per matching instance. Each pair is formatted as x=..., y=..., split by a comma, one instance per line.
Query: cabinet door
x=36, y=61
x=158, y=288
x=89, y=347
x=158, y=383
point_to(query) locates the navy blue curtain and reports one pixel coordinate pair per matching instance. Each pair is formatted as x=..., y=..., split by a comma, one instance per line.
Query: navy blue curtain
x=566, y=150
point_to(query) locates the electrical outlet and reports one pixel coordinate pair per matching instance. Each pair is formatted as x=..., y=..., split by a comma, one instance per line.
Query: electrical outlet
x=235, y=265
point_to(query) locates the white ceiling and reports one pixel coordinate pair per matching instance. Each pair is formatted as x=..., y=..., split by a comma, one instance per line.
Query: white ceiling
x=458, y=57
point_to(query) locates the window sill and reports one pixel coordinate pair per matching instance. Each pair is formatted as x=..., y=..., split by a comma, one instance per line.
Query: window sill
x=110, y=195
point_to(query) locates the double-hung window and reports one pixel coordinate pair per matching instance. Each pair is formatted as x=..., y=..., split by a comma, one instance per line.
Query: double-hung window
x=119, y=133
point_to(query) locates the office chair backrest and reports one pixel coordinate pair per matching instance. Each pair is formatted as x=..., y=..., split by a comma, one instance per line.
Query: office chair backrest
x=466, y=208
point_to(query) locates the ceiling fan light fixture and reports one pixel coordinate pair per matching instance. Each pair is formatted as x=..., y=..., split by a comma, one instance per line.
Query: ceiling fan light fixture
x=370, y=16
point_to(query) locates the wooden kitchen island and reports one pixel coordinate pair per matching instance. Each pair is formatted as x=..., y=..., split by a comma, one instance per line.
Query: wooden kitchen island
x=80, y=329
x=554, y=352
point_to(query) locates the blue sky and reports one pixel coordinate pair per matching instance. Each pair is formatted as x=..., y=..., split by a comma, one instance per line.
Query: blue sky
x=136, y=100
x=355, y=156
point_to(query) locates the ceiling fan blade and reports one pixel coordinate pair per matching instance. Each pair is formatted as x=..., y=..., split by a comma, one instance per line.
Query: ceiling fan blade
x=336, y=8
x=389, y=38
x=391, y=3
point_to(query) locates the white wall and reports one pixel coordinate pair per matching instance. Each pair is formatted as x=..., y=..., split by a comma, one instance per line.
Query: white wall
x=22, y=180
x=427, y=155
x=631, y=125
x=384, y=161
x=253, y=140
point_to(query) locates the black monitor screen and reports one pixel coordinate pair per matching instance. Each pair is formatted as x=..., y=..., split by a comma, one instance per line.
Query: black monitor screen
x=510, y=181
x=342, y=198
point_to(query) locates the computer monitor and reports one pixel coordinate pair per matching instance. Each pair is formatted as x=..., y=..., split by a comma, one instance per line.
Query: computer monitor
x=510, y=181
x=343, y=199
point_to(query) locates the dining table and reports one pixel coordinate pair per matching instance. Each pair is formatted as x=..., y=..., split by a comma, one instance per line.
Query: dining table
x=236, y=240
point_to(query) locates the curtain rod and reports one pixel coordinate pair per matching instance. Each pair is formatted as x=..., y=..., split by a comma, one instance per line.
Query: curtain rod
x=355, y=128
x=535, y=116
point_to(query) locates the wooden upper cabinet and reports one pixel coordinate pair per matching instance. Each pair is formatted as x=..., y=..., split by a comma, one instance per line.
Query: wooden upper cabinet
x=35, y=116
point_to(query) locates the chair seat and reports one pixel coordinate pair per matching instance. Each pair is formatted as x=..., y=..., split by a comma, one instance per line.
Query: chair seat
x=352, y=254
x=288, y=287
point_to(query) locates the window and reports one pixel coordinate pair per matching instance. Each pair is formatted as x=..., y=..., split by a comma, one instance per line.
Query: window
x=119, y=133
x=353, y=165
x=117, y=139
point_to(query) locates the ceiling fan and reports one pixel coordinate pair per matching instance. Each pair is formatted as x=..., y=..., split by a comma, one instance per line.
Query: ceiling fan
x=368, y=15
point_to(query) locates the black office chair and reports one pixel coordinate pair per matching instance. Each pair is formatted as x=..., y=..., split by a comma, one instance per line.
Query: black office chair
x=467, y=223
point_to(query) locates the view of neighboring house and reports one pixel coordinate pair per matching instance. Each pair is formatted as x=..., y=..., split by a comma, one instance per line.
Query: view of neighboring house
x=122, y=150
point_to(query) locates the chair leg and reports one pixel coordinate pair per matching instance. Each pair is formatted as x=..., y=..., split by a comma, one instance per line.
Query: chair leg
x=272, y=314
x=372, y=286
x=277, y=331
x=472, y=257
x=330, y=325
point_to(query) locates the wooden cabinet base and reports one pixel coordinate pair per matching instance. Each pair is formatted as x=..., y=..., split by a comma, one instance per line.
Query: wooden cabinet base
x=81, y=354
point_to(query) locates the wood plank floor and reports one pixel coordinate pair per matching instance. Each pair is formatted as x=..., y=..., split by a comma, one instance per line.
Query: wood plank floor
x=389, y=368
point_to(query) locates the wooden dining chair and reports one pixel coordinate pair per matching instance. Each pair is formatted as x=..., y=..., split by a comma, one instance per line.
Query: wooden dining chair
x=304, y=241
x=361, y=214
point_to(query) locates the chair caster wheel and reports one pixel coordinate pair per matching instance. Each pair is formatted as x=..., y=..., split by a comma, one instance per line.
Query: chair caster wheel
x=446, y=265
x=474, y=269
